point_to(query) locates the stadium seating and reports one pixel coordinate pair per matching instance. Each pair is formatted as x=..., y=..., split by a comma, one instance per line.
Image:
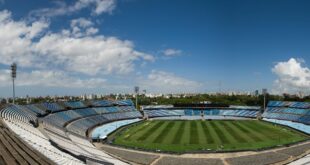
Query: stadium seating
x=61, y=118
x=17, y=113
x=108, y=103
x=289, y=111
x=303, y=105
x=65, y=122
x=87, y=146
x=233, y=112
x=39, y=142
x=100, y=103
x=74, y=104
x=86, y=112
x=82, y=125
x=208, y=112
x=13, y=150
x=188, y=112
x=214, y=112
x=197, y=113
x=161, y=113
x=67, y=128
x=66, y=144
x=103, y=131
x=52, y=107
x=35, y=109
x=124, y=103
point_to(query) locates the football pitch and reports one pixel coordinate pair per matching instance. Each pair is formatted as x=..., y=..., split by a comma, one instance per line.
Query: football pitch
x=216, y=135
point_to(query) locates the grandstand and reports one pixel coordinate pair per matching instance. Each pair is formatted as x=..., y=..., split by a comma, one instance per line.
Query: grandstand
x=14, y=151
x=62, y=128
x=68, y=132
x=292, y=114
x=291, y=111
x=234, y=111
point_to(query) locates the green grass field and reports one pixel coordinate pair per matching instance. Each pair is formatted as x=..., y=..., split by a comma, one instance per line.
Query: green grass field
x=216, y=135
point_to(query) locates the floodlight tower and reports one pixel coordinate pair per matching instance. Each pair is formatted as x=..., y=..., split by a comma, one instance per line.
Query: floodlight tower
x=137, y=93
x=264, y=92
x=13, y=75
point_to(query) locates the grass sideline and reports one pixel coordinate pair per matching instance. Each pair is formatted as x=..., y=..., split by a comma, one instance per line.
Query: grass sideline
x=193, y=136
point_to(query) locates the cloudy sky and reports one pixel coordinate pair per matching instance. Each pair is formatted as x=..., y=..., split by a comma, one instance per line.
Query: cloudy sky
x=101, y=46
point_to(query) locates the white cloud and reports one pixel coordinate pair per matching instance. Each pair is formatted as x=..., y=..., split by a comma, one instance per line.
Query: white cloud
x=90, y=55
x=75, y=50
x=172, y=52
x=160, y=81
x=82, y=27
x=81, y=22
x=16, y=39
x=97, y=7
x=291, y=76
x=73, y=58
x=48, y=78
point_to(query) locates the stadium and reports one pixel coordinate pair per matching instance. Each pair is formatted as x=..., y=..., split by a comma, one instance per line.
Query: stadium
x=115, y=132
x=154, y=82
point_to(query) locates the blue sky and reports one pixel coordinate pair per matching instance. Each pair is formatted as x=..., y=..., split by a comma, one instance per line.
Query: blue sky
x=102, y=46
